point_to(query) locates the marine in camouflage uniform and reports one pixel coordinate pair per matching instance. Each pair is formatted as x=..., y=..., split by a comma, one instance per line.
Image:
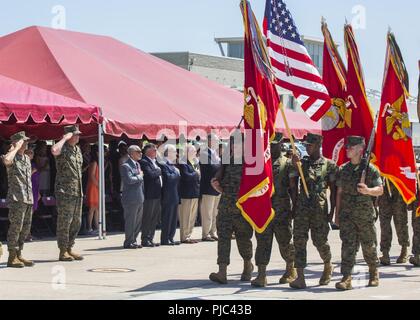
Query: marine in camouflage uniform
x=20, y=200
x=415, y=259
x=281, y=225
x=69, y=194
x=230, y=220
x=393, y=206
x=356, y=213
x=312, y=213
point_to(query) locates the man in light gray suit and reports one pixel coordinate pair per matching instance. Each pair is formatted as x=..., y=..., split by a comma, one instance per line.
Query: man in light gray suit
x=132, y=196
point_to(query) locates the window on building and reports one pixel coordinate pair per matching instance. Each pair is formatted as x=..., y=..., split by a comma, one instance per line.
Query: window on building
x=289, y=102
x=316, y=53
x=236, y=50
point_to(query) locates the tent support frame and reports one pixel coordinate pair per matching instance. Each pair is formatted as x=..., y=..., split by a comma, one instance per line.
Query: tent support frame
x=102, y=211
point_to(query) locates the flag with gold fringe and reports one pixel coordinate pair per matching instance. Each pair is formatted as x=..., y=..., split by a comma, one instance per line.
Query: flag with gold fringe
x=394, y=153
x=339, y=118
x=361, y=118
x=260, y=112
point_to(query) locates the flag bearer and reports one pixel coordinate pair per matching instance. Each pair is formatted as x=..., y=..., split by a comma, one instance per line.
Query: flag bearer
x=312, y=212
x=20, y=199
x=355, y=213
x=393, y=206
x=230, y=219
x=281, y=226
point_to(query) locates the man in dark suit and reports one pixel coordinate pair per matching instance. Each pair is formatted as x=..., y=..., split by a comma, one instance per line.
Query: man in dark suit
x=153, y=192
x=209, y=165
x=132, y=197
x=190, y=193
x=170, y=196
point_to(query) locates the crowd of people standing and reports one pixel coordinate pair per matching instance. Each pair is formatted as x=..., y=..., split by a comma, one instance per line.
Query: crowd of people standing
x=153, y=187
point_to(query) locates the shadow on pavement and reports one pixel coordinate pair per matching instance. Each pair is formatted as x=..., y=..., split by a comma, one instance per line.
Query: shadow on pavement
x=234, y=283
x=107, y=249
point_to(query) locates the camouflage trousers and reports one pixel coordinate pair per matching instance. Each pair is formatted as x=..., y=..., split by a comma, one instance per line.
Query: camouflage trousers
x=20, y=218
x=230, y=220
x=416, y=233
x=315, y=220
x=69, y=220
x=389, y=210
x=357, y=228
x=281, y=227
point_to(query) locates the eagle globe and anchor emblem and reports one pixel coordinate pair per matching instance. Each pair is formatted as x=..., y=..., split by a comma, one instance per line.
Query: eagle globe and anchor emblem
x=339, y=116
x=397, y=122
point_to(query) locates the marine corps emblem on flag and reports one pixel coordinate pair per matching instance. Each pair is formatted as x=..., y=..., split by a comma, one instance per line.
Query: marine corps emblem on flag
x=397, y=122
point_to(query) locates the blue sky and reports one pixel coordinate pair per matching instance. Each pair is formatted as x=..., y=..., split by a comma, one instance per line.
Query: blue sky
x=191, y=25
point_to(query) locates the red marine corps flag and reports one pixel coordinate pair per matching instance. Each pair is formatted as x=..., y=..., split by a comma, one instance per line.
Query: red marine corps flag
x=338, y=119
x=350, y=114
x=358, y=118
x=394, y=145
x=260, y=112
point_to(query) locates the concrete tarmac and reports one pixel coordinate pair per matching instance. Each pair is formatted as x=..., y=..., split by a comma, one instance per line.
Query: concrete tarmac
x=181, y=272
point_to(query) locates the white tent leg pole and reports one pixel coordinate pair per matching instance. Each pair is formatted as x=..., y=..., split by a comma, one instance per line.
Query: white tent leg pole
x=101, y=182
x=103, y=185
x=100, y=151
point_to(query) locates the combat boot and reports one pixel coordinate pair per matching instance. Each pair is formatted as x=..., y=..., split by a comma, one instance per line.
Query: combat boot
x=344, y=284
x=373, y=276
x=27, y=263
x=261, y=280
x=290, y=275
x=403, y=258
x=74, y=255
x=299, y=283
x=13, y=261
x=415, y=260
x=221, y=276
x=64, y=256
x=385, y=260
x=248, y=269
x=326, y=275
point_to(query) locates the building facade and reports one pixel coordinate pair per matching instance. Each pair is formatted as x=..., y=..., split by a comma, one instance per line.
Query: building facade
x=227, y=71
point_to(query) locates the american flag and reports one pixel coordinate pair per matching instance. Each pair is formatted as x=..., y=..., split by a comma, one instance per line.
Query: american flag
x=292, y=65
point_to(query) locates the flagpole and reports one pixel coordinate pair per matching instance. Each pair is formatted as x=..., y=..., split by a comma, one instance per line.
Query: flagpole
x=418, y=97
x=418, y=191
x=292, y=142
x=240, y=123
x=418, y=114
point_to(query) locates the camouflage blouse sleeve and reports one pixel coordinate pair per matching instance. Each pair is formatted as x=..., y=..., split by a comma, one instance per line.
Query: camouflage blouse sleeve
x=292, y=171
x=63, y=152
x=332, y=171
x=289, y=168
x=374, y=177
x=338, y=181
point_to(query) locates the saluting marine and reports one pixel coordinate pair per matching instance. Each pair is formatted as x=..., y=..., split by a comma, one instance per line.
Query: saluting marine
x=20, y=199
x=68, y=191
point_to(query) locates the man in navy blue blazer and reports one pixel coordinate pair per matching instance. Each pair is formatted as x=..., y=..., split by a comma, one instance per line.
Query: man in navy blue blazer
x=210, y=163
x=170, y=196
x=190, y=194
x=153, y=192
